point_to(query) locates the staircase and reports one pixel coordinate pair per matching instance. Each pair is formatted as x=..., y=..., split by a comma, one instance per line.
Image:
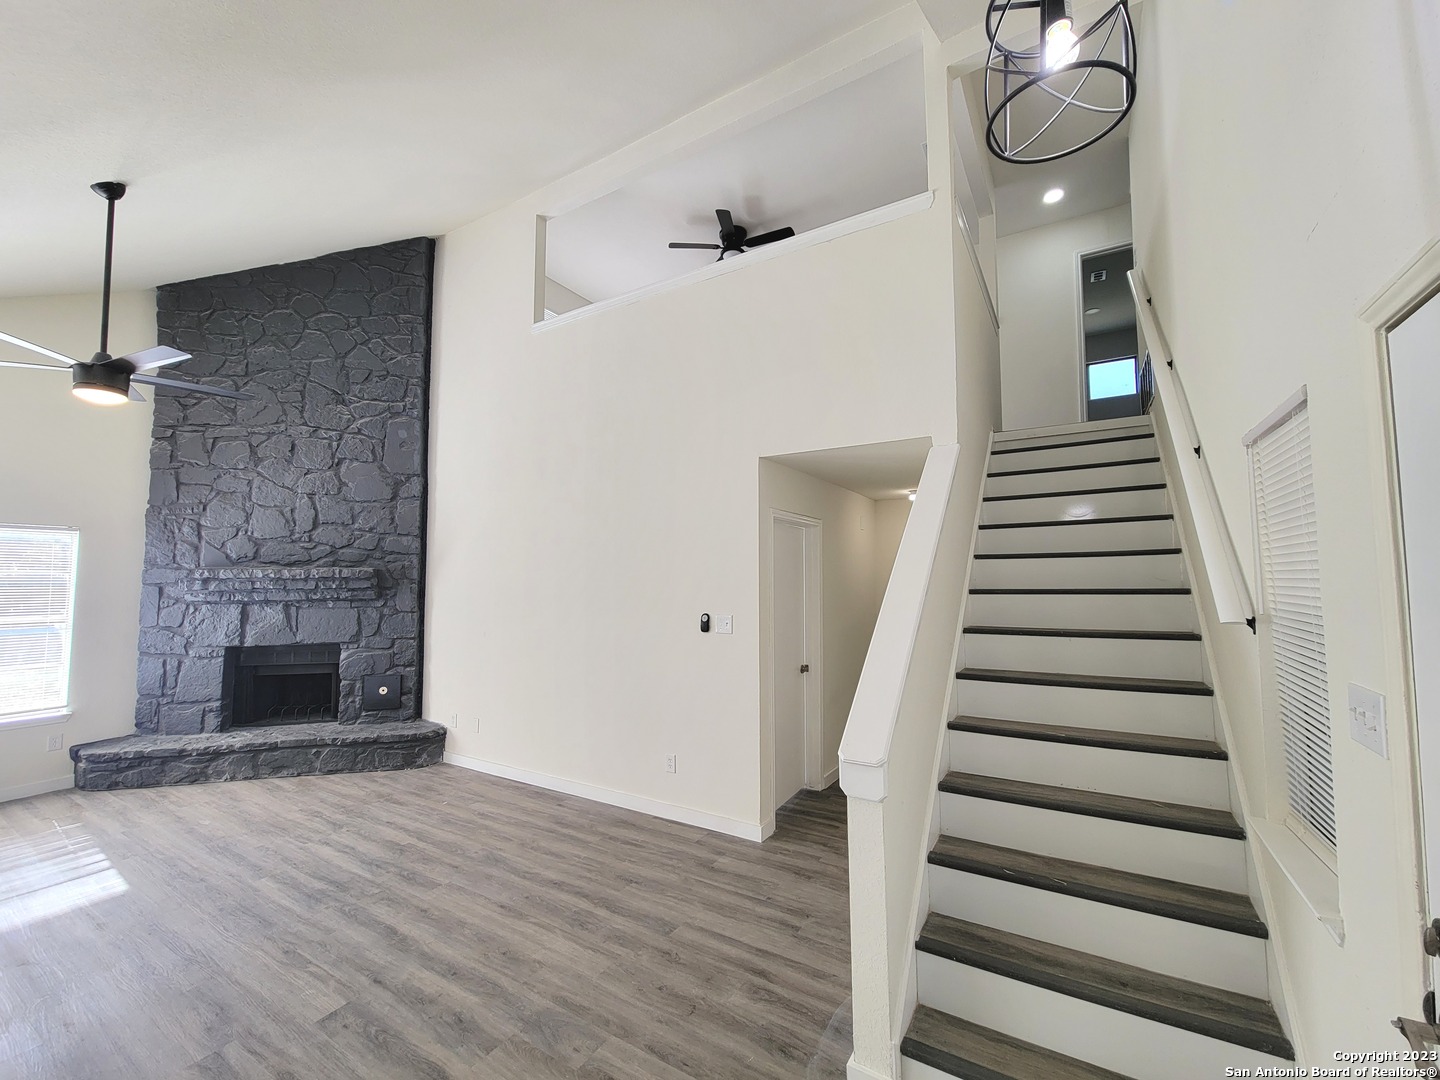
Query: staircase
x=1088, y=918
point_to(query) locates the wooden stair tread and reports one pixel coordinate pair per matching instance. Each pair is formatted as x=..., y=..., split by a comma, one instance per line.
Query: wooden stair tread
x=968, y=1050
x=1120, y=888
x=1163, y=590
x=1087, y=682
x=1124, y=520
x=1117, y=553
x=1070, y=445
x=1066, y=494
x=1138, y=741
x=1163, y=815
x=1075, y=632
x=1205, y=1010
x=1080, y=467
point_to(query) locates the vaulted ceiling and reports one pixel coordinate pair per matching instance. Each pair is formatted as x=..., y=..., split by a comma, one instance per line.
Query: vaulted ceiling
x=264, y=130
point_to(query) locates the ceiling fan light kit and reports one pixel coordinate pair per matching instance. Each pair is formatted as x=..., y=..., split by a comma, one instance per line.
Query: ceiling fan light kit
x=106, y=379
x=1086, y=76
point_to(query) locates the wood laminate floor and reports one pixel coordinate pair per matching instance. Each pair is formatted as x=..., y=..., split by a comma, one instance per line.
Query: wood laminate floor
x=418, y=925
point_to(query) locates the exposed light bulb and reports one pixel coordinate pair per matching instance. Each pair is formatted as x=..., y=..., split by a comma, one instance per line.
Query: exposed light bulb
x=99, y=395
x=1062, y=47
x=1054, y=195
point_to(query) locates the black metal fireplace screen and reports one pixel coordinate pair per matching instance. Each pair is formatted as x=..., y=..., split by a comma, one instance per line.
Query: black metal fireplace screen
x=280, y=684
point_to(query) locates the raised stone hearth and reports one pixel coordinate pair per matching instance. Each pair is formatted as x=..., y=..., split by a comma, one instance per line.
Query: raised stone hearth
x=139, y=761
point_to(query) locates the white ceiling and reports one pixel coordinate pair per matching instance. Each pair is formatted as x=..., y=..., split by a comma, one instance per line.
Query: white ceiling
x=858, y=147
x=258, y=131
x=889, y=470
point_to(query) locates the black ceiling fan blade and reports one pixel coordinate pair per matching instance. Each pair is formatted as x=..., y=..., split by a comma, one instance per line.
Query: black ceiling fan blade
x=698, y=247
x=13, y=340
x=37, y=367
x=727, y=223
x=770, y=237
x=158, y=357
x=193, y=388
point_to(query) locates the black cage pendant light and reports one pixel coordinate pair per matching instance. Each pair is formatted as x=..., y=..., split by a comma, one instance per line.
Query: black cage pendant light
x=1053, y=90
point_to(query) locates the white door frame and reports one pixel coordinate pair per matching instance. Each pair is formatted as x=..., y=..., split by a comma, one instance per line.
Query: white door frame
x=1080, y=257
x=1406, y=293
x=814, y=645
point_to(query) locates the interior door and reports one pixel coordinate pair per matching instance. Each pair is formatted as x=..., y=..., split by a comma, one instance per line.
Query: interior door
x=1415, y=387
x=787, y=568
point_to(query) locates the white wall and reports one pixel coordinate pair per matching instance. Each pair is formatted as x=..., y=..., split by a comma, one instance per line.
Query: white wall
x=563, y=633
x=850, y=553
x=1040, y=315
x=890, y=518
x=1269, y=206
x=68, y=463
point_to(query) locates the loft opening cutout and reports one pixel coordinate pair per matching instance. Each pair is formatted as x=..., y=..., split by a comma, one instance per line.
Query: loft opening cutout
x=853, y=149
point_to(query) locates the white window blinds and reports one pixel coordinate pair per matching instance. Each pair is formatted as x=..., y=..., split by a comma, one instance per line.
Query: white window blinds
x=37, y=600
x=1290, y=581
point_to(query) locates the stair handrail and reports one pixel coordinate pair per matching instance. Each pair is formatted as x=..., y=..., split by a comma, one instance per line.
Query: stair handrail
x=1233, y=603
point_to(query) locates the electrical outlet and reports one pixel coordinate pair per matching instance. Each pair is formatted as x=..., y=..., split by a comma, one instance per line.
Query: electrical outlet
x=55, y=742
x=475, y=724
x=455, y=720
x=669, y=762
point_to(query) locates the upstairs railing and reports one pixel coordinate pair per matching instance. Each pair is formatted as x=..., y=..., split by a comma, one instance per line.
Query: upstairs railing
x=1217, y=549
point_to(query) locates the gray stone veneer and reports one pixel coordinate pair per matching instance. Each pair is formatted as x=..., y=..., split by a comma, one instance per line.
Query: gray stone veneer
x=295, y=518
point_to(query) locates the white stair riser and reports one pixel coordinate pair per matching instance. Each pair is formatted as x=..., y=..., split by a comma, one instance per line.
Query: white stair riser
x=1138, y=1048
x=1186, y=950
x=1042, y=457
x=1089, y=572
x=1216, y=862
x=1064, y=507
x=1189, y=716
x=1063, y=433
x=918, y=1070
x=1121, y=536
x=1087, y=656
x=1189, y=780
x=1074, y=479
x=1117, y=612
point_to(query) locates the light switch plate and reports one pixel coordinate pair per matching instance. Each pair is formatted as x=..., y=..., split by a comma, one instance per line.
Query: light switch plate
x=1367, y=719
x=724, y=624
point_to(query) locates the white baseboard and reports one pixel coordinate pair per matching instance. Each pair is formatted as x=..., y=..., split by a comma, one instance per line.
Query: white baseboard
x=855, y=1071
x=39, y=787
x=831, y=777
x=653, y=807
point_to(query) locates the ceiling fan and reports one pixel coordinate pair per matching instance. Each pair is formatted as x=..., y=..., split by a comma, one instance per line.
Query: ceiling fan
x=106, y=379
x=734, y=239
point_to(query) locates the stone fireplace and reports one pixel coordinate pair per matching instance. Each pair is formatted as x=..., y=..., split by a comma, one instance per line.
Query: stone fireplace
x=285, y=536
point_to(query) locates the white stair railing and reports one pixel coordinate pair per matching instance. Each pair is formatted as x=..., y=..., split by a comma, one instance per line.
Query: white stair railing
x=1217, y=548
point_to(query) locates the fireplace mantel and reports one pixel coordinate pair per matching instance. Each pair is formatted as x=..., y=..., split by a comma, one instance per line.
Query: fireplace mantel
x=268, y=584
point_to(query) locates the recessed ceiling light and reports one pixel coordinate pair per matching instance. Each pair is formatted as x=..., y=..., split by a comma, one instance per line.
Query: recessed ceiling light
x=912, y=496
x=1053, y=196
x=1092, y=311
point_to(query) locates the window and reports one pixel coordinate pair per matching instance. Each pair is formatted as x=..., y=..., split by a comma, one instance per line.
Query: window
x=1290, y=596
x=37, y=601
x=1111, y=378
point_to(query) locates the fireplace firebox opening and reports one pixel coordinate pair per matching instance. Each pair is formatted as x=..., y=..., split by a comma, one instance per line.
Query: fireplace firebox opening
x=280, y=684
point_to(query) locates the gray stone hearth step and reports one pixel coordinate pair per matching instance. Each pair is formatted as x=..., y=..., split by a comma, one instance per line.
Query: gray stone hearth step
x=137, y=761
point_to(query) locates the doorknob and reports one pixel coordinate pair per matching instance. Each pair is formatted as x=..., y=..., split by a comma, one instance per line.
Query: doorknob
x=1432, y=938
x=805, y=670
